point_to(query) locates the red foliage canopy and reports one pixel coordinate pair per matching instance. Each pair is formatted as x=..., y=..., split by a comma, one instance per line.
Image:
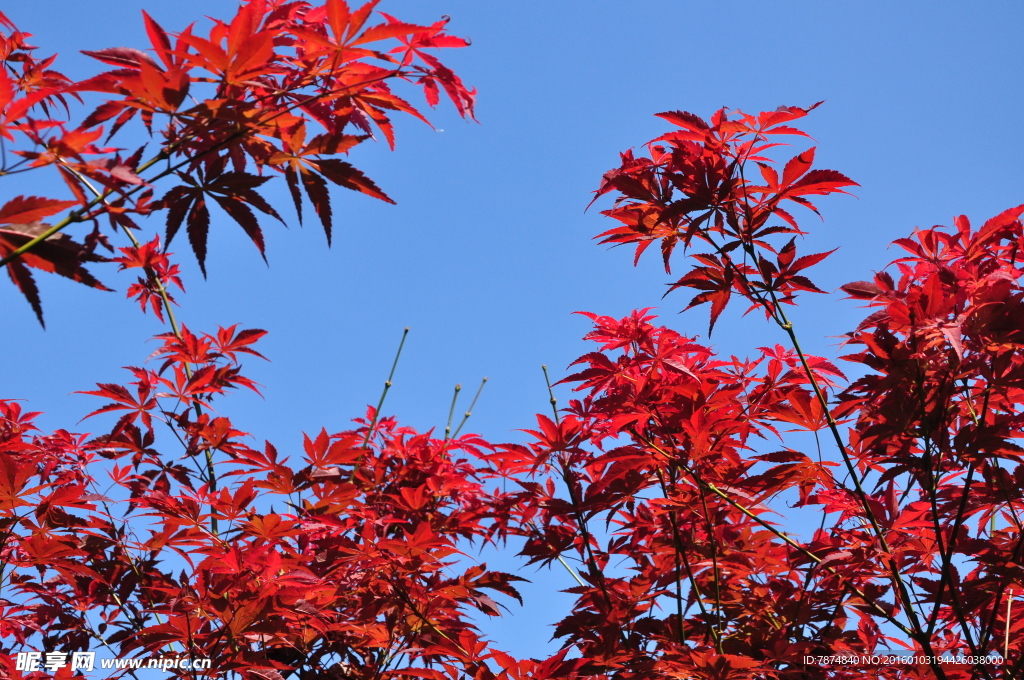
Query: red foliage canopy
x=656, y=481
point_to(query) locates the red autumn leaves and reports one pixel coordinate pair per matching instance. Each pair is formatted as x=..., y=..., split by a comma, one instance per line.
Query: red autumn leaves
x=278, y=90
x=662, y=488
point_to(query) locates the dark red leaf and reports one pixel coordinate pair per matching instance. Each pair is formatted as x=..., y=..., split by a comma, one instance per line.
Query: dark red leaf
x=26, y=209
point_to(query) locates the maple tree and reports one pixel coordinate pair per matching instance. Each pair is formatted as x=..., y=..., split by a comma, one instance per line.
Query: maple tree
x=661, y=489
x=340, y=564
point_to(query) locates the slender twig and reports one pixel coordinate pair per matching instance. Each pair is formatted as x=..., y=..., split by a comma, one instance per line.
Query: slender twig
x=680, y=556
x=451, y=412
x=945, y=560
x=400, y=591
x=469, y=412
x=551, y=394
x=810, y=572
x=1006, y=637
x=868, y=602
x=789, y=541
x=943, y=581
x=384, y=393
x=132, y=562
x=587, y=551
x=713, y=536
x=561, y=560
x=778, y=314
x=990, y=627
x=175, y=328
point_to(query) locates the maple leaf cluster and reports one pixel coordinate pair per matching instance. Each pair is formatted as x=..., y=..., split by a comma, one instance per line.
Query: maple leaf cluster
x=920, y=533
x=282, y=89
x=664, y=489
x=693, y=189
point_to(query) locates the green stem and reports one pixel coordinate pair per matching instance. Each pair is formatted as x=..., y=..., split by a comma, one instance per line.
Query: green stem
x=587, y=552
x=468, y=413
x=387, y=386
x=451, y=412
x=869, y=602
x=168, y=307
x=789, y=541
x=561, y=560
x=680, y=555
x=551, y=394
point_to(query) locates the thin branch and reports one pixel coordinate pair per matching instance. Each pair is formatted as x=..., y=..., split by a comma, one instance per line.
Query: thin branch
x=384, y=394
x=451, y=412
x=469, y=412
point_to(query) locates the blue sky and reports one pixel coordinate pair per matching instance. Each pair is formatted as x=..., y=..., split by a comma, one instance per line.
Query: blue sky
x=489, y=250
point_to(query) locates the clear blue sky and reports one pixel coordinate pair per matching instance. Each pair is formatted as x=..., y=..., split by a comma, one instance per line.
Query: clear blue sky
x=489, y=251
